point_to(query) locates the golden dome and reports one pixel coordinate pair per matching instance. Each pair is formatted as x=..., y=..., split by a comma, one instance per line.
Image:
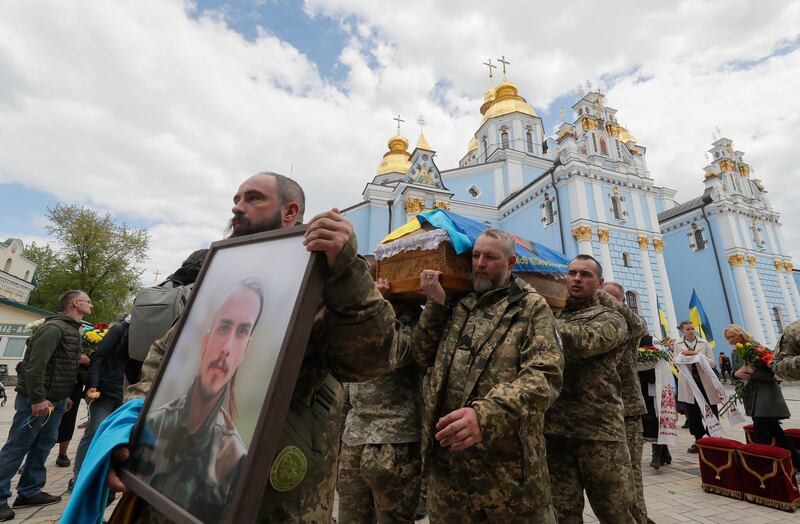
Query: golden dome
x=473, y=145
x=396, y=159
x=506, y=100
x=488, y=98
x=625, y=136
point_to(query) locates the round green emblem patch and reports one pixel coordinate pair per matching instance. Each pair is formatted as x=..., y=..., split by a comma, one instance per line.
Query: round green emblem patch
x=609, y=331
x=289, y=469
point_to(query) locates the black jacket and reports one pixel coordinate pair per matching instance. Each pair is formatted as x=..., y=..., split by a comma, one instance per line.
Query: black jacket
x=107, y=369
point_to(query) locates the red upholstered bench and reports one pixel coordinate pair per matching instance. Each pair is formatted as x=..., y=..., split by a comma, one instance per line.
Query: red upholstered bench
x=748, y=435
x=719, y=466
x=793, y=434
x=767, y=476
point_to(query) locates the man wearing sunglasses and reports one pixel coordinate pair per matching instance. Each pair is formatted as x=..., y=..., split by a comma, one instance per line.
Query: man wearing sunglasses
x=44, y=380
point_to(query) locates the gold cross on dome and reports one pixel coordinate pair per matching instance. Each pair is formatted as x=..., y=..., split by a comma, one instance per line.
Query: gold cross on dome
x=505, y=62
x=491, y=66
x=398, y=120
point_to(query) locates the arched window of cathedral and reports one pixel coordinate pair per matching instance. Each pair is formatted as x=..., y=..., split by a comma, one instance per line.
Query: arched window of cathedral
x=7, y=267
x=580, y=112
x=776, y=312
x=504, y=139
x=594, y=143
x=27, y=276
x=616, y=207
x=626, y=259
x=529, y=141
x=698, y=239
x=603, y=147
x=548, y=210
x=485, y=147
x=759, y=242
x=633, y=301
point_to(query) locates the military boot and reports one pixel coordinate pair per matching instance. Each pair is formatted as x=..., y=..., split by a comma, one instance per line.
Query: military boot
x=666, y=458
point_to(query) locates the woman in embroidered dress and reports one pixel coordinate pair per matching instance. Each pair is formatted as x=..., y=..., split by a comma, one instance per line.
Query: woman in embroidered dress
x=763, y=400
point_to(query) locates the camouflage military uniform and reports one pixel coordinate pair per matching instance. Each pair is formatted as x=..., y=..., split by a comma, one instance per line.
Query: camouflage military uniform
x=500, y=354
x=786, y=363
x=353, y=337
x=379, y=465
x=585, y=428
x=632, y=399
x=194, y=469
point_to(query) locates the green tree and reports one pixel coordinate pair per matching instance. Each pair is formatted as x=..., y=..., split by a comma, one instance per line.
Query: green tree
x=95, y=254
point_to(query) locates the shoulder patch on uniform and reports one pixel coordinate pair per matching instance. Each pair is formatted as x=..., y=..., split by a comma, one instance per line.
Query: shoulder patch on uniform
x=288, y=469
x=609, y=331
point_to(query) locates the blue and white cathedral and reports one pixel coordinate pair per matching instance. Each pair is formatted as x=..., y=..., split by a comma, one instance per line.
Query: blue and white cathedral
x=587, y=189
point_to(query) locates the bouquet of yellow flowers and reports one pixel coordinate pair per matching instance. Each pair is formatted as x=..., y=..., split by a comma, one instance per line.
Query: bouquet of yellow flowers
x=92, y=336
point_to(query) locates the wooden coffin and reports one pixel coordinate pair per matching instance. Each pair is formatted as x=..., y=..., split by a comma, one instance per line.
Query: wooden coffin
x=402, y=270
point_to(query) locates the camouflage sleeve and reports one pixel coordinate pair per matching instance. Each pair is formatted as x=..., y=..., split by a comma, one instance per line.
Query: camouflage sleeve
x=408, y=314
x=786, y=362
x=152, y=363
x=358, y=324
x=637, y=327
x=428, y=332
x=523, y=401
x=600, y=334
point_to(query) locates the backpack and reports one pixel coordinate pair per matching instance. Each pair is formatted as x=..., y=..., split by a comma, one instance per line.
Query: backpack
x=155, y=309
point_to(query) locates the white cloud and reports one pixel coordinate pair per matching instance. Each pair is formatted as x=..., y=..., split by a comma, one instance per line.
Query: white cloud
x=143, y=109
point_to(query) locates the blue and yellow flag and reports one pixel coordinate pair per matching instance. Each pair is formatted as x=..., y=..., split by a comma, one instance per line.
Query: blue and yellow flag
x=698, y=317
x=662, y=320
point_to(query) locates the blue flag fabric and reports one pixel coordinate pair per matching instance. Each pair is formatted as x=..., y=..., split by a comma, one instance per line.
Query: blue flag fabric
x=698, y=317
x=662, y=320
x=88, y=501
x=532, y=257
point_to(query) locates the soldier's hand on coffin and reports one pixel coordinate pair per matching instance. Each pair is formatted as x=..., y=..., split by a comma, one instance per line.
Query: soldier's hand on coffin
x=459, y=429
x=328, y=232
x=119, y=456
x=431, y=287
x=384, y=287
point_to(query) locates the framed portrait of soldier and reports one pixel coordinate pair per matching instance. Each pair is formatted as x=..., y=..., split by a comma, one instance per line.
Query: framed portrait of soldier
x=203, y=444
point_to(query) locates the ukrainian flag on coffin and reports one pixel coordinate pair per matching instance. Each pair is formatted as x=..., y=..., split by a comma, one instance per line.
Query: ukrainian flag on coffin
x=698, y=317
x=532, y=257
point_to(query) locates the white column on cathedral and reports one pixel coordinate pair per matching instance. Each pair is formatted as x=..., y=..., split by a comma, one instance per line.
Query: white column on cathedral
x=668, y=306
x=762, y=302
x=605, y=254
x=787, y=298
x=752, y=323
x=792, y=286
x=583, y=234
x=652, y=298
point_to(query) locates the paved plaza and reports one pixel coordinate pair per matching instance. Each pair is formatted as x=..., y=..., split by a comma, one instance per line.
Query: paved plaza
x=673, y=493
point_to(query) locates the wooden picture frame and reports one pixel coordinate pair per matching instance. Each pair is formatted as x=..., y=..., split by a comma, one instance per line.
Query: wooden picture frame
x=279, y=265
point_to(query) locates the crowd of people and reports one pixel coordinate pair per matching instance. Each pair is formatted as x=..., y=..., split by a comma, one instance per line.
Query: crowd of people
x=486, y=406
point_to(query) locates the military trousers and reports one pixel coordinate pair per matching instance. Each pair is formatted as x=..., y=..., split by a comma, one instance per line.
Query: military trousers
x=601, y=468
x=451, y=499
x=634, y=434
x=379, y=483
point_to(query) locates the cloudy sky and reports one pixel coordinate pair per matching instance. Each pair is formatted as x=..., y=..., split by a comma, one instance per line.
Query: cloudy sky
x=155, y=110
